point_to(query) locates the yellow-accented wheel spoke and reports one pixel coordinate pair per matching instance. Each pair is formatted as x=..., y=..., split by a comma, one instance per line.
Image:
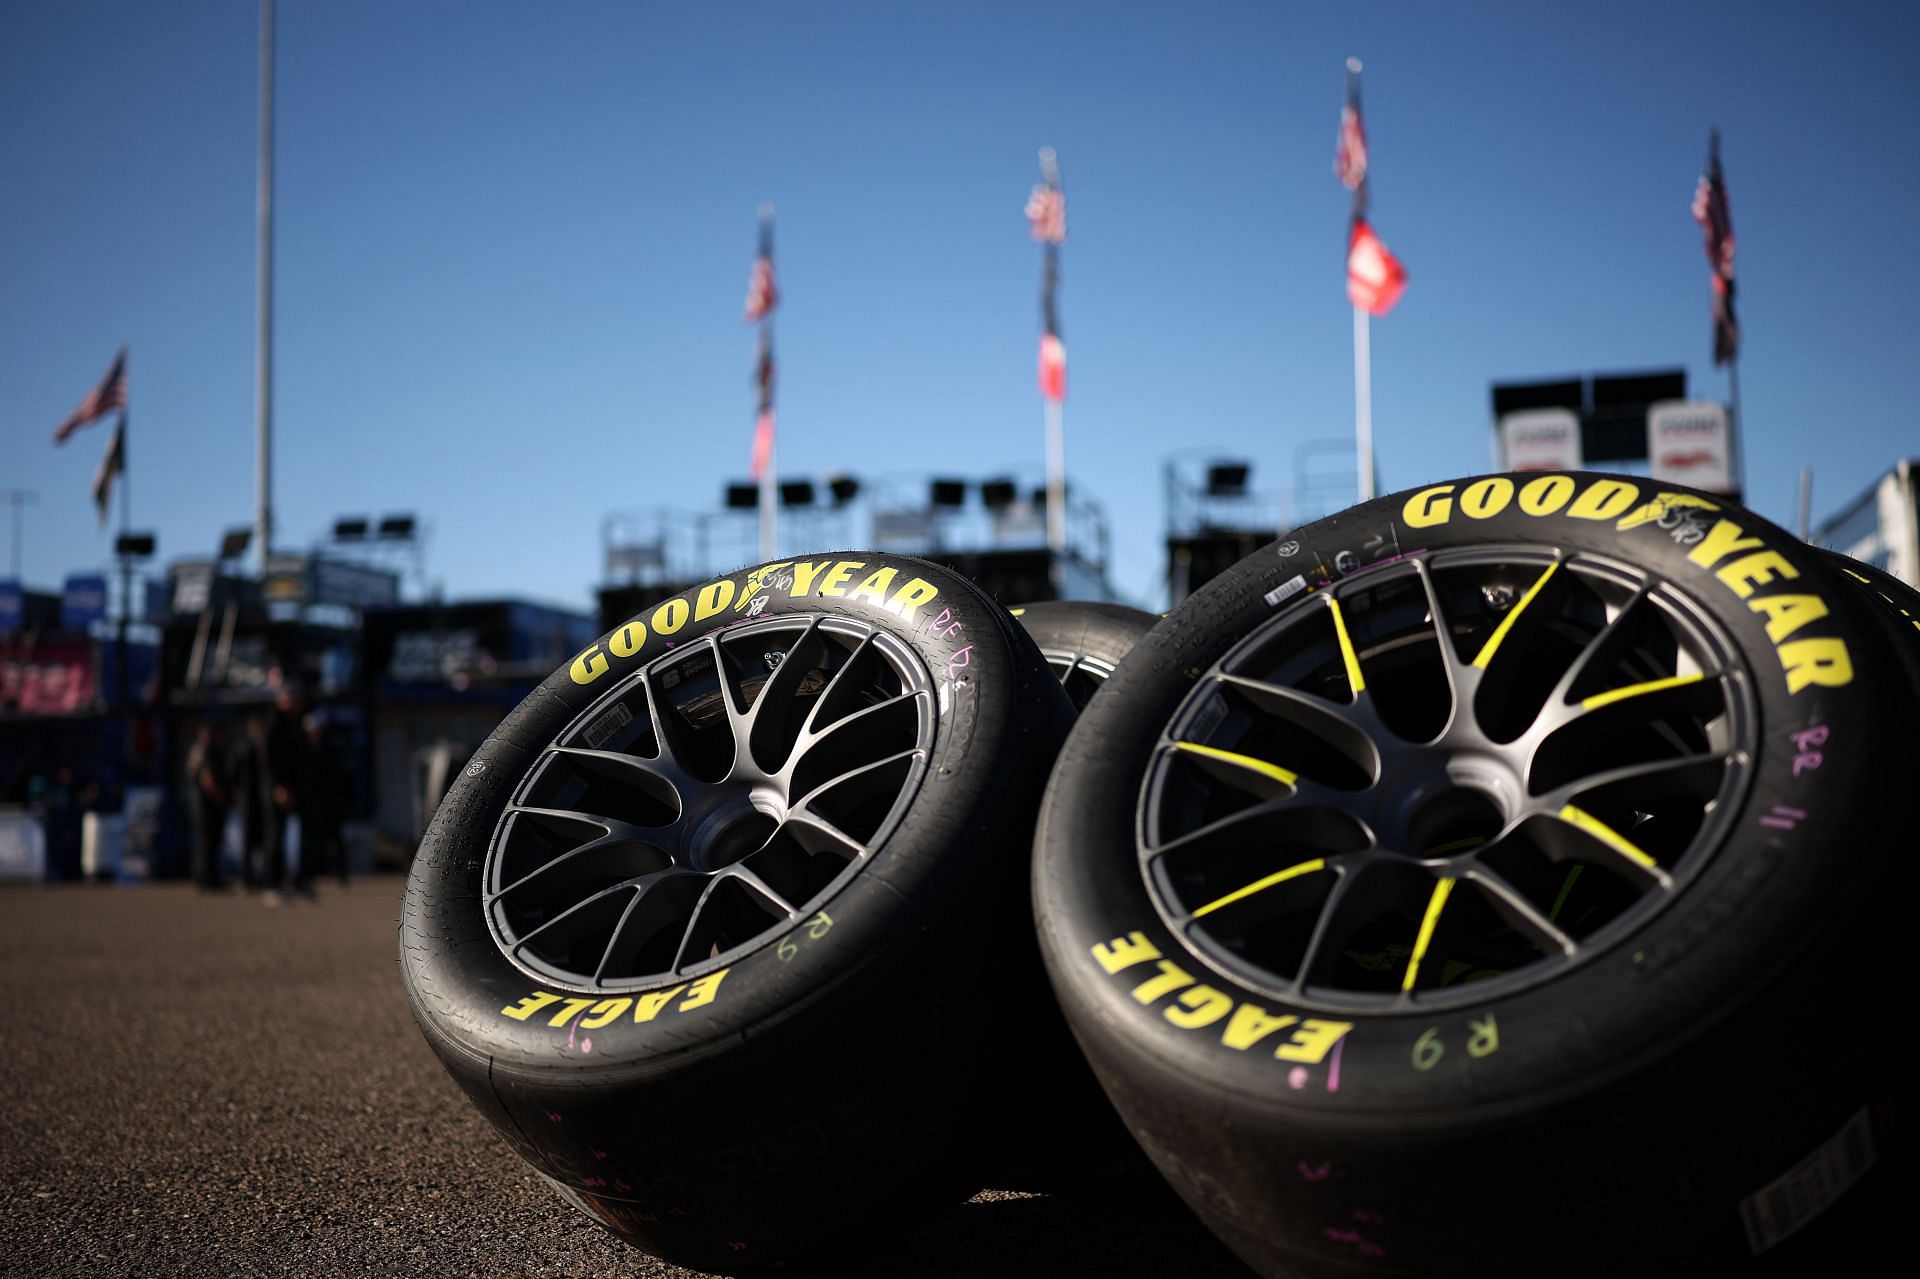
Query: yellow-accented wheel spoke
x=1262, y=884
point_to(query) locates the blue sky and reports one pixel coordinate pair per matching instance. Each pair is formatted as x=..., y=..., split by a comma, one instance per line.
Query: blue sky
x=513, y=242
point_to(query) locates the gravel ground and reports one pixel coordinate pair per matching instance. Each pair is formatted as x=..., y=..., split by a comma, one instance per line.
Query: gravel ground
x=200, y=1084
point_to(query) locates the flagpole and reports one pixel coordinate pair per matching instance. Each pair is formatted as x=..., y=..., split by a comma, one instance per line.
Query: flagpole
x=769, y=509
x=1056, y=480
x=1739, y=423
x=263, y=348
x=1363, y=401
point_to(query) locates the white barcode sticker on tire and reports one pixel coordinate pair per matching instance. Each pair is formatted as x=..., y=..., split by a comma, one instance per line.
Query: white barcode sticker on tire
x=1809, y=1188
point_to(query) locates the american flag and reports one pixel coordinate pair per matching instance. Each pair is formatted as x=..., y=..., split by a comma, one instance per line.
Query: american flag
x=111, y=394
x=1047, y=214
x=112, y=463
x=1711, y=211
x=1350, y=150
x=762, y=296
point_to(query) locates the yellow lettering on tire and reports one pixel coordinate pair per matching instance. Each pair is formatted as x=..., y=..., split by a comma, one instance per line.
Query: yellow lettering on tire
x=1757, y=569
x=1204, y=1006
x=1172, y=977
x=1546, y=495
x=713, y=598
x=874, y=586
x=805, y=575
x=1124, y=952
x=907, y=600
x=671, y=616
x=589, y=666
x=836, y=583
x=1428, y=507
x=1484, y=499
x=702, y=992
x=1251, y=1024
x=1603, y=500
x=1816, y=661
x=629, y=639
x=1313, y=1041
x=1788, y=613
x=529, y=1006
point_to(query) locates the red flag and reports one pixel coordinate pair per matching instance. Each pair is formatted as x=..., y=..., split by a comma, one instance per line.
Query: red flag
x=1375, y=278
x=1715, y=216
x=1053, y=367
x=111, y=394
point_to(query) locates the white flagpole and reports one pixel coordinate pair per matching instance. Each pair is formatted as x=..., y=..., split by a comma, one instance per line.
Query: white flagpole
x=1363, y=402
x=769, y=483
x=769, y=490
x=263, y=343
x=1056, y=479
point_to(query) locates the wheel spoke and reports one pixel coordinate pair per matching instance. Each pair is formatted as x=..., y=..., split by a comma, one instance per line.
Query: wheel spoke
x=1349, y=730
x=650, y=775
x=1346, y=890
x=671, y=755
x=811, y=739
x=1560, y=796
x=1601, y=645
x=1624, y=851
x=836, y=687
x=814, y=792
x=1517, y=909
x=637, y=886
x=803, y=816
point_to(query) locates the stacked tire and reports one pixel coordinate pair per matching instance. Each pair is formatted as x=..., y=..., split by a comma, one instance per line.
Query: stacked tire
x=1498, y=878
x=1434, y=891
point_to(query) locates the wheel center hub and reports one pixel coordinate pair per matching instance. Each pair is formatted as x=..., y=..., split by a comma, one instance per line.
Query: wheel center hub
x=724, y=827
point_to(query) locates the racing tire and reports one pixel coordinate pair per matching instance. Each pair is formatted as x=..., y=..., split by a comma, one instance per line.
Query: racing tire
x=1083, y=641
x=1434, y=893
x=710, y=928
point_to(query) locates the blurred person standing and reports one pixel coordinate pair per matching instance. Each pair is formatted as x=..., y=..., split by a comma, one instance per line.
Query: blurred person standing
x=208, y=801
x=323, y=807
x=247, y=784
x=288, y=768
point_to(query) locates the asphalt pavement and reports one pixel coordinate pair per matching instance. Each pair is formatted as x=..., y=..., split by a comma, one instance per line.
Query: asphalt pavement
x=201, y=1084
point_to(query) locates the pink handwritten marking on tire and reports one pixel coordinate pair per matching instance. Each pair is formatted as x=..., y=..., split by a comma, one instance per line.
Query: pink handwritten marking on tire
x=1333, y=1068
x=1297, y=1078
x=1320, y=1173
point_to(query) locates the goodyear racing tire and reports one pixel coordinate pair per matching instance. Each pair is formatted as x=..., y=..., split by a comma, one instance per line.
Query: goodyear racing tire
x=1084, y=640
x=1894, y=602
x=1499, y=879
x=712, y=926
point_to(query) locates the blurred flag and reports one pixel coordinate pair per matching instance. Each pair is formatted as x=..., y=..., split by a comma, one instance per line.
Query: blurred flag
x=762, y=296
x=1711, y=211
x=112, y=463
x=1350, y=151
x=111, y=394
x=1047, y=214
x=1375, y=278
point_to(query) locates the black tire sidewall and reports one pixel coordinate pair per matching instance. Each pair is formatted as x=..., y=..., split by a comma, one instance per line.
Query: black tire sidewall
x=1602, y=1020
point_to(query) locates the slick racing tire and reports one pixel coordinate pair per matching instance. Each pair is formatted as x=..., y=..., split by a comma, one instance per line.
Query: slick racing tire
x=1082, y=1149
x=1894, y=602
x=1499, y=879
x=1084, y=640
x=712, y=928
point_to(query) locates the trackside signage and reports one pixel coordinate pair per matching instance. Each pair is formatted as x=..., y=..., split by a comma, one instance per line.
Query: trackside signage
x=1541, y=440
x=1690, y=442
